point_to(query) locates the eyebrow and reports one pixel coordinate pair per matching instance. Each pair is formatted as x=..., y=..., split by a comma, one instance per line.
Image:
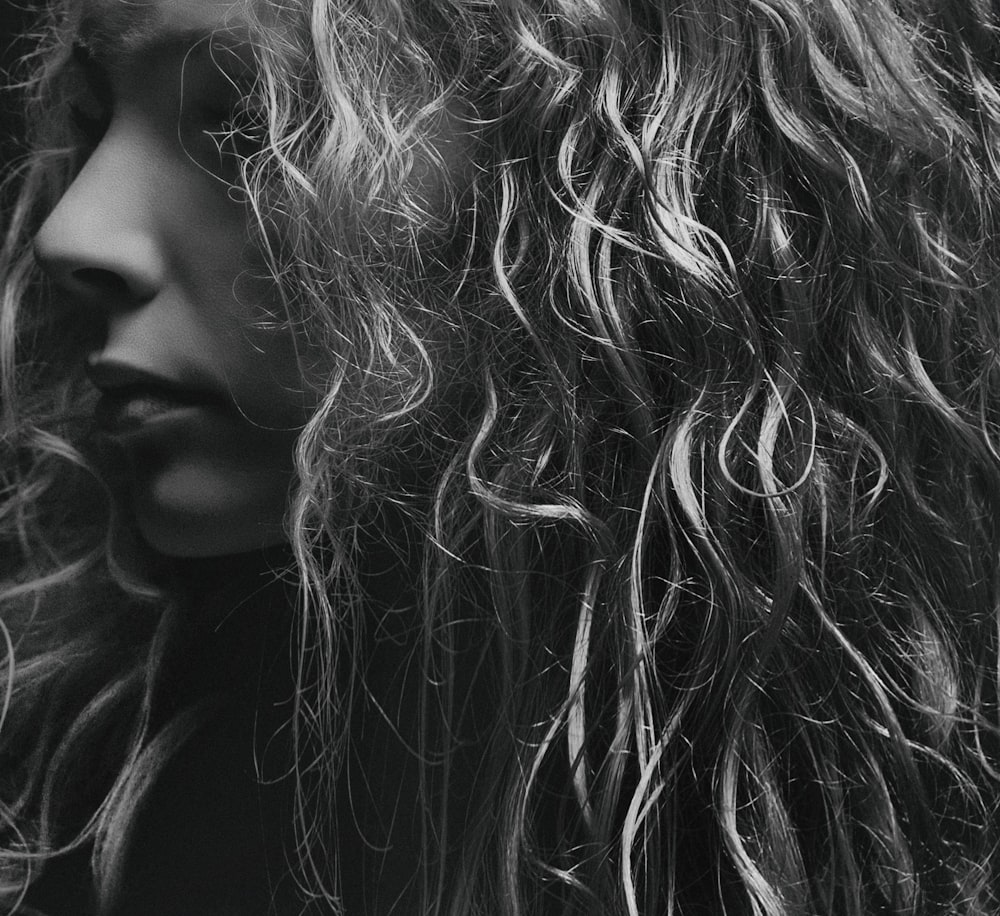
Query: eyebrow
x=116, y=38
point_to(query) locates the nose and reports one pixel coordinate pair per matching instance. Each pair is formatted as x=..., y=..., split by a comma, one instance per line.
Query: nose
x=100, y=243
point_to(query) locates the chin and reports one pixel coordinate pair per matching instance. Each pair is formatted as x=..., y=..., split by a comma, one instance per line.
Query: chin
x=201, y=541
x=193, y=515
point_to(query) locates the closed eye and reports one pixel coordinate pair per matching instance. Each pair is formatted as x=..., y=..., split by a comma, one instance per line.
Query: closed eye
x=91, y=104
x=219, y=104
x=90, y=125
x=235, y=129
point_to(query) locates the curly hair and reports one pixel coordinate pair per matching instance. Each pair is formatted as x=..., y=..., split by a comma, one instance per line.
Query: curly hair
x=699, y=364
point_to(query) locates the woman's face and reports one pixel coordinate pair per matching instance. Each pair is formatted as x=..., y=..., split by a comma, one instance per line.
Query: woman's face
x=204, y=399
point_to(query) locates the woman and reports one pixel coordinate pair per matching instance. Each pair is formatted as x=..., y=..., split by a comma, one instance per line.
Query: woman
x=505, y=458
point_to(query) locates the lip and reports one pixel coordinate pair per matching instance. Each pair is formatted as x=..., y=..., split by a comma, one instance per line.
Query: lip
x=128, y=409
x=131, y=396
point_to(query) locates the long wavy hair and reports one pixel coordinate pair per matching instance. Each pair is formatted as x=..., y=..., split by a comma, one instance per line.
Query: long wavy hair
x=699, y=359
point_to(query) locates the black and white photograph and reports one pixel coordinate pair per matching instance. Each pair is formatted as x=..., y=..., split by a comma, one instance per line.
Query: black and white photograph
x=499, y=457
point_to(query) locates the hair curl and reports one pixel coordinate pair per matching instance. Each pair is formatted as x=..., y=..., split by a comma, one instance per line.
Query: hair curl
x=702, y=363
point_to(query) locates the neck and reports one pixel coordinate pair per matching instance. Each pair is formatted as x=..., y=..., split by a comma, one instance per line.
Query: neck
x=239, y=634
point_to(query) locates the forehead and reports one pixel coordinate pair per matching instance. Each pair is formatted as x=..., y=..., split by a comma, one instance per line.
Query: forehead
x=114, y=28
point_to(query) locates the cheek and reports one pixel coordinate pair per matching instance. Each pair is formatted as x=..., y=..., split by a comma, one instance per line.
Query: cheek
x=258, y=355
x=266, y=369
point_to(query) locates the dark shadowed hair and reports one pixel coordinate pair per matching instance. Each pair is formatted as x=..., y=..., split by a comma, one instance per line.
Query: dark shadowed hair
x=700, y=360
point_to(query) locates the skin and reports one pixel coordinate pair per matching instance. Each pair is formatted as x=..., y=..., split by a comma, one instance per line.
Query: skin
x=152, y=235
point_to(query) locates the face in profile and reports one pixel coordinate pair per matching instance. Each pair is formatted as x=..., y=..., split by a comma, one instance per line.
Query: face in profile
x=200, y=384
x=205, y=401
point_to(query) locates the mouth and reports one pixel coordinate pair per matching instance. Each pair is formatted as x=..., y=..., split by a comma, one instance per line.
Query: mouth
x=132, y=397
x=124, y=409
